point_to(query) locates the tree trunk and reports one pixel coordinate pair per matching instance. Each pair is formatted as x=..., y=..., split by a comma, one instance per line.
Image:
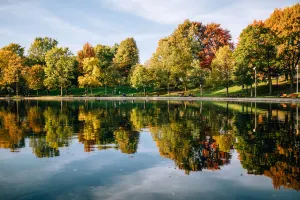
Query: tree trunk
x=251, y=91
x=185, y=88
x=270, y=83
x=61, y=91
x=144, y=91
x=168, y=88
x=91, y=91
x=227, y=91
x=17, y=88
x=37, y=92
x=291, y=80
x=201, y=90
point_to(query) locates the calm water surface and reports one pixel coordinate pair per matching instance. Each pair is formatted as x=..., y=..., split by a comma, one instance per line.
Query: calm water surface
x=148, y=150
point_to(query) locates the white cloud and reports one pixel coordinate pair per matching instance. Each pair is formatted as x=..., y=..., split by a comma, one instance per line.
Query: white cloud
x=233, y=15
x=110, y=21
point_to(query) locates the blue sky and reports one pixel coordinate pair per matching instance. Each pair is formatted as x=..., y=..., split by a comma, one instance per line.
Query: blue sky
x=74, y=22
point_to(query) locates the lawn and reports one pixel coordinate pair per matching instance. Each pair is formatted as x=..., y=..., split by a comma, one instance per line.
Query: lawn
x=262, y=91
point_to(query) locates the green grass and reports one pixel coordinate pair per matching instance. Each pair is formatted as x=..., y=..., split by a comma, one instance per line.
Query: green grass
x=262, y=91
x=129, y=91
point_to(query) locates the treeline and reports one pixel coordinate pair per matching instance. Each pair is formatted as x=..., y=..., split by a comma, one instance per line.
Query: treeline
x=47, y=66
x=195, y=55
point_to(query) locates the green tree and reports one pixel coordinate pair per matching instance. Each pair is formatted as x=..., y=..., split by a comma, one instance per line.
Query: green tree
x=105, y=54
x=112, y=77
x=92, y=73
x=127, y=56
x=161, y=65
x=140, y=77
x=197, y=75
x=222, y=68
x=59, y=68
x=256, y=48
x=39, y=49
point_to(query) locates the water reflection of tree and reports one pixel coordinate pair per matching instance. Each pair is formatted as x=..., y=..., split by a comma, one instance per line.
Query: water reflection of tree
x=272, y=149
x=35, y=120
x=195, y=137
x=12, y=130
x=58, y=128
x=190, y=139
x=107, y=127
x=41, y=148
x=89, y=133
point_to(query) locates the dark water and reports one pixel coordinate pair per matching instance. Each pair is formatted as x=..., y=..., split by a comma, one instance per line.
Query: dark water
x=148, y=150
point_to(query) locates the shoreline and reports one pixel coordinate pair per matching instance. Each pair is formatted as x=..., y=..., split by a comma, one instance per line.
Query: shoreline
x=232, y=99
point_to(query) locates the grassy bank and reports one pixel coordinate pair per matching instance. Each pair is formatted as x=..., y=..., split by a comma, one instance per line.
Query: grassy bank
x=262, y=91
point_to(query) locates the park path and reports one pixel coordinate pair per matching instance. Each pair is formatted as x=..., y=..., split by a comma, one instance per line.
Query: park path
x=232, y=99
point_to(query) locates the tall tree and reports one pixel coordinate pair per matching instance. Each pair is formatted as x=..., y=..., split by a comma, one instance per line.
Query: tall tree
x=127, y=56
x=11, y=66
x=35, y=77
x=197, y=75
x=161, y=64
x=105, y=54
x=39, y=49
x=140, y=77
x=256, y=48
x=16, y=48
x=59, y=68
x=86, y=52
x=111, y=77
x=222, y=67
x=174, y=54
x=212, y=37
x=182, y=46
x=285, y=23
x=92, y=74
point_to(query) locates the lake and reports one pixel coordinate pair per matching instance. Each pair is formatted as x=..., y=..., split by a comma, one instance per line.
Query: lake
x=148, y=150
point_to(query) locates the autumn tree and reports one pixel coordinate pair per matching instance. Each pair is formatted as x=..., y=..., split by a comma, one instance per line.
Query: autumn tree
x=127, y=56
x=39, y=49
x=35, y=77
x=222, y=68
x=15, y=48
x=256, y=48
x=285, y=23
x=190, y=42
x=212, y=37
x=59, y=68
x=11, y=66
x=92, y=73
x=86, y=52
